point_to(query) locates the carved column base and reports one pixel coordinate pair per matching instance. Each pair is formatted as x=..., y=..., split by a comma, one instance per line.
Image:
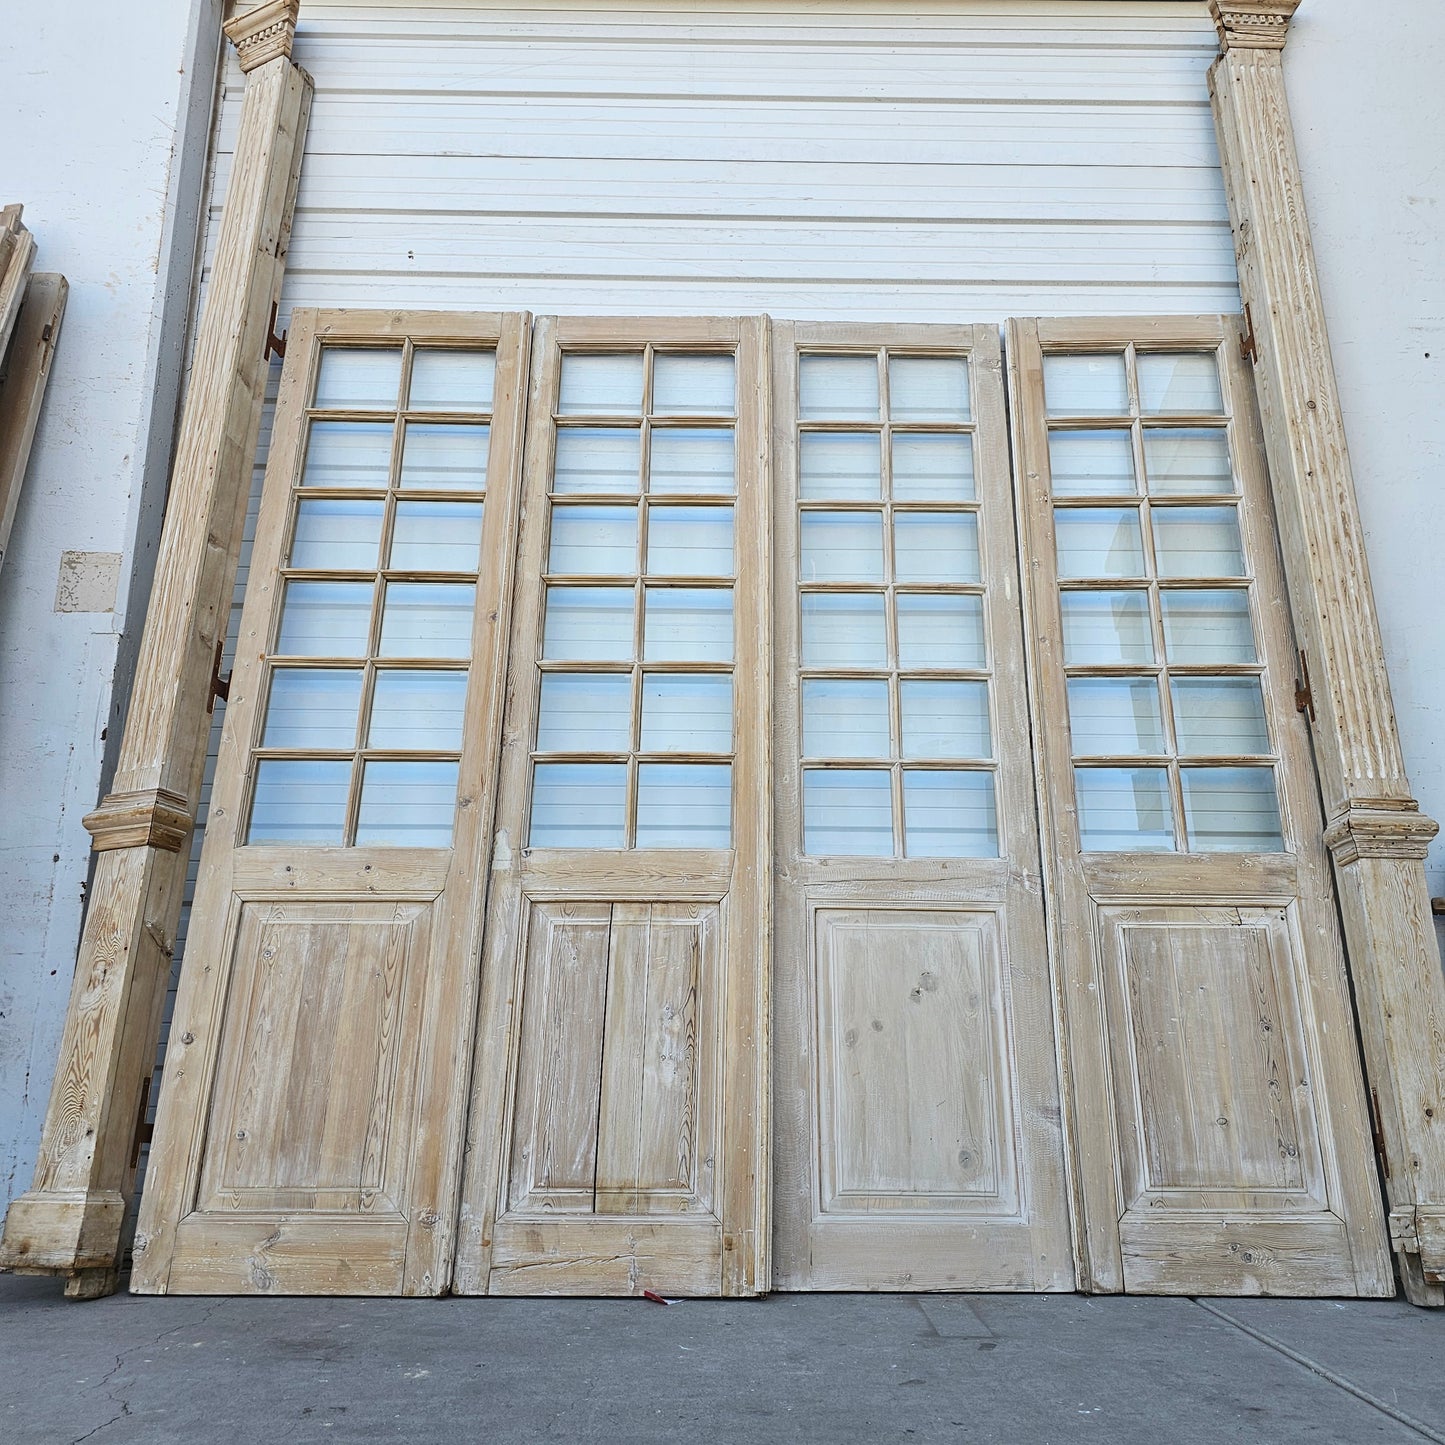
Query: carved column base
x=148, y=817
x=62, y=1230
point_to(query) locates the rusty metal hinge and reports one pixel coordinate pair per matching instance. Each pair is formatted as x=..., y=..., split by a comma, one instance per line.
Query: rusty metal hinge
x=1304, y=697
x=1379, y=1136
x=275, y=345
x=1248, y=342
x=144, y=1130
x=220, y=685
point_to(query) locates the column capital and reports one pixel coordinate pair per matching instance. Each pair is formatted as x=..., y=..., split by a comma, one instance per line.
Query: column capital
x=1252, y=24
x=145, y=818
x=264, y=32
x=1380, y=828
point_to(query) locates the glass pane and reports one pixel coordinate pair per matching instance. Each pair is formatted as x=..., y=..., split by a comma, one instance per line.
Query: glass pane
x=848, y=812
x=844, y=629
x=697, y=385
x=684, y=805
x=1198, y=542
x=690, y=541
x=1187, y=383
x=597, y=459
x=932, y=468
x=412, y=710
x=692, y=459
x=1099, y=542
x=428, y=619
x=1106, y=627
x=359, y=378
x=838, y=388
x=352, y=454
x=605, y=385
x=1124, y=810
x=299, y=801
x=407, y=805
x=1086, y=386
x=588, y=624
x=687, y=712
x=1231, y=810
x=338, y=535
x=325, y=619
x=1092, y=463
x=312, y=707
x=1219, y=716
x=579, y=805
x=841, y=547
x=840, y=466
x=928, y=388
x=443, y=380
x=935, y=547
x=688, y=624
x=1187, y=459
x=585, y=712
x=949, y=815
x=938, y=631
x=1207, y=626
x=437, y=537
x=601, y=541
x=845, y=717
x=1115, y=715
x=442, y=458
x=944, y=719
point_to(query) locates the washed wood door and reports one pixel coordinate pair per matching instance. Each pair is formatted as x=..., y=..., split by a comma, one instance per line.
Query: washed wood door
x=619, y=1112
x=310, y=1130
x=1219, y=1122
x=918, y=1141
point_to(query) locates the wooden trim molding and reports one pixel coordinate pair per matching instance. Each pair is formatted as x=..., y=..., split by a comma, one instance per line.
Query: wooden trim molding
x=265, y=33
x=144, y=818
x=1375, y=831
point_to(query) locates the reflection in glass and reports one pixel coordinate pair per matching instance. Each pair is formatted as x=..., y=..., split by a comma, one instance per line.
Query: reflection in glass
x=1207, y=625
x=1106, y=627
x=1124, y=810
x=436, y=537
x=928, y=388
x=351, y=454
x=337, y=534
x=428, y=619
x=949, y=814
x=687, y=712
x=844, y=629
x=693, y=384
x=935, y=547
x=1099, y=542
x=588, y=624
x=579, y=805
x=935, y=630
x=847, y=812
x=597, y=459
x=452, y=380
x=840, y=467
x=838, y=388
x=441, y=458
x=299, y=801
x=845, y=717
x=585, y=712
x=407, y=804
x=932, y=467
x=415, y=710
x=688, y=624
x=596, y=541
x=1185, y=460
x=606, y=384
x=1114, y=715
x=358, y=378
x=684, y=805
x=1219, y=716
x=1187, y=383
x=692, y=459
x=1198, y=542
x=1086, y=385
x=690, y=541
x=841, y=547
x=944, y=719
x=325, y=619
x=1231, y=810
x=1092, y=463
x=312, y=707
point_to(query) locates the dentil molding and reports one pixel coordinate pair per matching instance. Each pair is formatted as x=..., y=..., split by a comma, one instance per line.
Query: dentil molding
x=264, y=33
x=1252, y=24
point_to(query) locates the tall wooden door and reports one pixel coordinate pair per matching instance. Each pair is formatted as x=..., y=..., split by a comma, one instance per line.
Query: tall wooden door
x=918, y=1141
x=1219, y=1122
x=619, y=1122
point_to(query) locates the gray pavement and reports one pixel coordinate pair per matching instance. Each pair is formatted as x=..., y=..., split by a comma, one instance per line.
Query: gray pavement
x=1011, y=1369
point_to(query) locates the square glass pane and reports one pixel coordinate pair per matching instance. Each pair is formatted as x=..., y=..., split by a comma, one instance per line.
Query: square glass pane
x=1231, y=810
x=1198, y=542
x=579, y=805
x=844, y=629
x=407, y=805
x=840, y=466
x=940, y=631
x=428, y=619
x=1092, y=463
x=1219, y=716
x=847, y=812
x=1114, y=715
x=413, y=710
x=359, y=378
x=935, y=547
x=1207, y=625
x=1187, y=383
x=687, y=712
x=692, y=459
x=598, y=459
x=944, y=719
x=437, y=537
x=696, y=384
x=1124, y=810
x=684, y=805
x=596, y=541
x=838, y=388
x=1184, y=460
x=1099, y=542
x=607, y=384
x=325, y=619
x=588, y=624
x=585, y=712
x=1086, y=385
x=351, y=454
x=690, y=541
x=448, y=380
x=928, y=388
x=949, y=815
x=688, y=624
x=1106, y=627
x=299, y=801
x=841, y=547
x=312, y=707
x=439, y=457
x=337, y=534
x=932, y=468
x=845, y=717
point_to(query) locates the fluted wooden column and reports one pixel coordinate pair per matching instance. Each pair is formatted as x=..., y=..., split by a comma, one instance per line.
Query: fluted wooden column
x=70, y=1220
x=1376, y=832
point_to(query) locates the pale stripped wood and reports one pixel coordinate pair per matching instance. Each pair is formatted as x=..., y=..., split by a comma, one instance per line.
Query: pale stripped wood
x=17, y=254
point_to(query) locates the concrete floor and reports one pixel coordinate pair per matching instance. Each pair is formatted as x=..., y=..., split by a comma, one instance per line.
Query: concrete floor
x=1012, y=1369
